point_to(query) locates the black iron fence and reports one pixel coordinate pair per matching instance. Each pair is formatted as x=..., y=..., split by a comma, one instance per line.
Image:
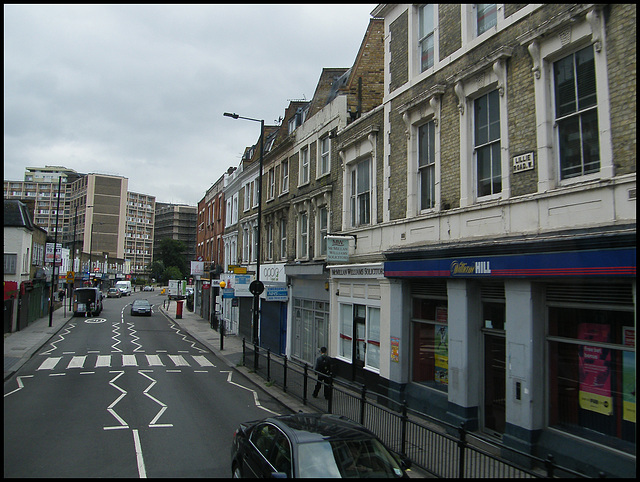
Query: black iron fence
x=439, y=448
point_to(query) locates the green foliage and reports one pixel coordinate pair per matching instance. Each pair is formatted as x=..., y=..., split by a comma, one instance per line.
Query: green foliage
x=172, y=272
x=172, y=254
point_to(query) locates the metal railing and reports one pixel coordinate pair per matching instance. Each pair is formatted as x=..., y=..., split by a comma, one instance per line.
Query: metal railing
x=435, y=446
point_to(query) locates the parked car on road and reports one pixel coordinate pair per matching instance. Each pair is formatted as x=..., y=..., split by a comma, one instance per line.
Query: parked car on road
x=147, y=288
x=114, y=293
x=311, y=445
x=141, y=307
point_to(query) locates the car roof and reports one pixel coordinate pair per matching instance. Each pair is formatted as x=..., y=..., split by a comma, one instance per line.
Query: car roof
x=314, y=427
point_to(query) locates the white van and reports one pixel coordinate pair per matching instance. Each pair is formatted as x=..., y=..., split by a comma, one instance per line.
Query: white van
x=124, y=287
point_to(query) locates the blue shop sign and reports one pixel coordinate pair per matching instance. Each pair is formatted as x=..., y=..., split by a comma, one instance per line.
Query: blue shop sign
x=598, y=263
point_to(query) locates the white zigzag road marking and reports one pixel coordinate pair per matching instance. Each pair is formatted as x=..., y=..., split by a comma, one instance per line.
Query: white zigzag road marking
x=133, y=335
x=184, y=338
x=20, y=385
x=110, y=409
x=116, y=329
x=255, y=394
x=163, y=407
x=66, y=331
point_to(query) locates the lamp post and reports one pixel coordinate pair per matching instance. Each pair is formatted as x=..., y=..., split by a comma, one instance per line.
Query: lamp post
x=257, y=287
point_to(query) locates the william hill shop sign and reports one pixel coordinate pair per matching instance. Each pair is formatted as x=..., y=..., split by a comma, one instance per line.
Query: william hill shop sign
x=615, y=262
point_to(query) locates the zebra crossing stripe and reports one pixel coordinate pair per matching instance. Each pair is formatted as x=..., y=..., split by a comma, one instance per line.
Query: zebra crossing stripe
x=103, y=361
x=202, y=360
x=77, y=362
x=129, y=361
x=154, y=360
x=50, y=363
x=178, y=360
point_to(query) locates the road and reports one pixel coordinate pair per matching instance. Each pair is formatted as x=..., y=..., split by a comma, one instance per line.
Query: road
x=122, y=396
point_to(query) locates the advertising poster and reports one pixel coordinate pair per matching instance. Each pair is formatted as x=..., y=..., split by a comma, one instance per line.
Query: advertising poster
x=441, y=354
x=395, y=349
x=629, y=375
x=595, y=369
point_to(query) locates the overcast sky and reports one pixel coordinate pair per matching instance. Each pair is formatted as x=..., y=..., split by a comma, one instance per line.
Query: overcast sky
x=139, y=90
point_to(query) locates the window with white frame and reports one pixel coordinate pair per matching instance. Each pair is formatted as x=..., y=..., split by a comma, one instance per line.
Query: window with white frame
x=486, y=17
x=324, y=164
x=304, y=165
x=323, y=226
x=246, y=244
x=284, y=176
x=254, y=242
x=487, y=144
x=247, y=196
x=576, y=113
x=283, y=238
x=257, y=192
x=269, y=233
x=10, y=263
x=229, y=210
x=571, y=80
x=303, y=235
x=426, y=27
x=427, y=164
x=361, y=193
x=271, y=193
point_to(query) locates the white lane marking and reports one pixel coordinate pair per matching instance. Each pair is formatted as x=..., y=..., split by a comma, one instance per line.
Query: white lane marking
x=154, y=360
x=129, y=361
x=20, y=384
x=110, y=409
x=178, y=360
x=255, y=394
x=163, y=407
x=66, y=331
x=50, y=363
x=116, y=330
x=142, y=472
x=57, y=374
x=103, y=361
x=203, y=361
x=134, y=337
x=77, y=362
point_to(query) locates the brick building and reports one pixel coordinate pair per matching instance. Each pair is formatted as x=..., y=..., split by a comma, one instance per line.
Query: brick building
x=496, y=233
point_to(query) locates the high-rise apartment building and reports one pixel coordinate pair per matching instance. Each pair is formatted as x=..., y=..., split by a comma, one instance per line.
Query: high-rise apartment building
x=179, y=222
x=98, y=218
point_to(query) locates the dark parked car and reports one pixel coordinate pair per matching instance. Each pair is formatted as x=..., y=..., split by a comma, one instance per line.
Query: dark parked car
x=311, y=445
x=141, y=307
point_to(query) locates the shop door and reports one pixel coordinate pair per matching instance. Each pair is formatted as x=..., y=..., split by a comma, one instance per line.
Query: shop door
x=359, y=341
x=494, y=383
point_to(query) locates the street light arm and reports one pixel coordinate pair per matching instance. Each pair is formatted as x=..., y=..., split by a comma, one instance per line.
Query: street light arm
x=236, y=116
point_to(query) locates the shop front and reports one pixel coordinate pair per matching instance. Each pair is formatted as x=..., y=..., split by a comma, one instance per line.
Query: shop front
x=536, y=348
x=309, y=305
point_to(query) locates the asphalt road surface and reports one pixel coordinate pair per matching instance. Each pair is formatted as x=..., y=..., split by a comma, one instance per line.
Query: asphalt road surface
x=122, y=396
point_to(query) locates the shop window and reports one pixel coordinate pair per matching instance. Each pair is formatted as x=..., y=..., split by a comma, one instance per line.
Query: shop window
x=430, y=363
x=360, y=334
x=592, y=370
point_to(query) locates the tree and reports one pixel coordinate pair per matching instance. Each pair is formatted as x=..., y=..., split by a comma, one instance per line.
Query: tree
x=172, y=253
x=172, y=272
x=157, y=269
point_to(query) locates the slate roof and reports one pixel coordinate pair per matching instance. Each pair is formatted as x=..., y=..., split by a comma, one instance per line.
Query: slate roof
x=16, y=214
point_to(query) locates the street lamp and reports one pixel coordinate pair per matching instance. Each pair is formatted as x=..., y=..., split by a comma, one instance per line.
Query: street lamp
x=257, y=287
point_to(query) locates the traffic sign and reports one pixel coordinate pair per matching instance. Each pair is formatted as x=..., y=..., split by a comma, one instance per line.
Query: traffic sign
x=71, y=276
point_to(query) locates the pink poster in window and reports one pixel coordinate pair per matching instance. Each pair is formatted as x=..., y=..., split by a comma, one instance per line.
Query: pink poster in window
x=595, y=369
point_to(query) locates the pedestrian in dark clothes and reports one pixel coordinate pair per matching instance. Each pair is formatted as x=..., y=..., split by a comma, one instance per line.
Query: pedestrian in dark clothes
x=323, y=369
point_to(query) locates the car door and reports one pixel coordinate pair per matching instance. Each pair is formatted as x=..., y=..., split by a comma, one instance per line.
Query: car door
x=256, y=461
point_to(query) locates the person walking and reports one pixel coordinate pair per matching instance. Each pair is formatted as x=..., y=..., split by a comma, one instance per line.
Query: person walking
x=323, y=369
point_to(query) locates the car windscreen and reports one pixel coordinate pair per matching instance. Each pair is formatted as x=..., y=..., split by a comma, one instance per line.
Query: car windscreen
x=350, y=458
